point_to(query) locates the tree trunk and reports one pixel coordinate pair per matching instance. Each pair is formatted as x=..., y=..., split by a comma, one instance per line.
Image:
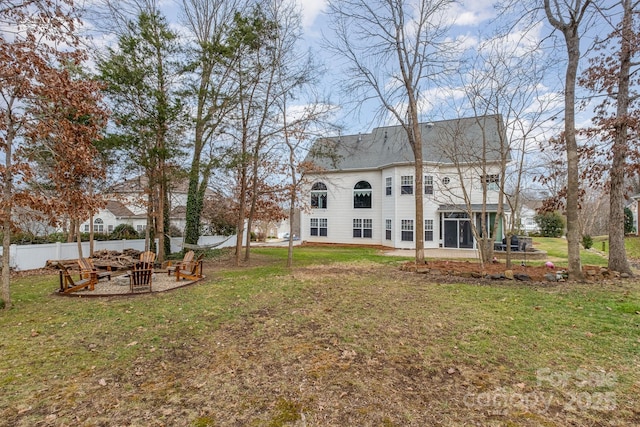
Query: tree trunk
x=617, y=252
x=79, y=238
x=416, y=144
x=573, y=185
x=571, y=34
x=167, y=224
x=241, y=211
x=160, y=220
x=91, y=233
x=147, y=229
x=6, y=220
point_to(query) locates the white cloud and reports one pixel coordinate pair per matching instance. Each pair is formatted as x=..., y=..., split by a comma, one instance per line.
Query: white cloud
x=310, y=11
x=472, y=12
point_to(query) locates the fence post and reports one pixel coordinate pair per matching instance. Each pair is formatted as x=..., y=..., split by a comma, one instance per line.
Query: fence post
x=13, y=256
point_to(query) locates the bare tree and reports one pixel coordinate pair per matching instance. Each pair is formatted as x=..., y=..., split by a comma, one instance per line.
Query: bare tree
x=568, y=18
x=504, y=83
x=614, y=75
x=395, y=51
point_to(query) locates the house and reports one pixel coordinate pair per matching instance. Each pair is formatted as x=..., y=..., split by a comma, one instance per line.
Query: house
x=528, y=222
x=362, y=188
x=127, y=204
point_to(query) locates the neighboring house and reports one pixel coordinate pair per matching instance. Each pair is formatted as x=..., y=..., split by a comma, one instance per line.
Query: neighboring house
x=528, y=223
x=363, y=190
x=126, y=204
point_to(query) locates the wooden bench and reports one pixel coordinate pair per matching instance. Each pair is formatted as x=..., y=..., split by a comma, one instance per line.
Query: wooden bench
x=185, y=264
x=141, y=276
x=87, y=268
x=68, y=285
x=192, y=271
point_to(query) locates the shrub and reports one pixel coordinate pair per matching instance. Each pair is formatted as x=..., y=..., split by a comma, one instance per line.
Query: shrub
x=551, y=224
x=628, y=221
x=96, y=236
x=124, y=231
x=587, y=241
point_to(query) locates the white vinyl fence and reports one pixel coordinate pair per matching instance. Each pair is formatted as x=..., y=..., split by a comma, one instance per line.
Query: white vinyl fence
x=30, y=257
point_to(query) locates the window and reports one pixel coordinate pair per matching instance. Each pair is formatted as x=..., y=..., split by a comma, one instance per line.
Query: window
x=406, y=184
x=492, y=181
x=446, y=180
x=98, y=225
x=86, y=228
x=428, y=185
x=387, y=229
x=407, y=230
x=110, y=228
x=318, y=227
x=428, y=230
x=362, y=195
x=319, y=196
x=388, y=186
x=363, y=228
x=139, y=228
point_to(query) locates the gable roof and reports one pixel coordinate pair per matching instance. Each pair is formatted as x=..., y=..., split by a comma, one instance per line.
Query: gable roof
x=442, y=142
x=118, y=209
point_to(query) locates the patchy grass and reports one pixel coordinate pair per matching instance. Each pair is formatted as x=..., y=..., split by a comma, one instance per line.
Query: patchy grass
x=344, y=338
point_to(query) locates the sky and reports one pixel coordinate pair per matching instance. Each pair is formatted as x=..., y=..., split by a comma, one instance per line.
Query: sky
x=472, y=21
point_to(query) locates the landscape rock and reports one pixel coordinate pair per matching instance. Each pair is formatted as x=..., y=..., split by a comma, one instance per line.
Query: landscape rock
x=625, y=275
x=522, y=277
x=551, y=277
x=508, y=274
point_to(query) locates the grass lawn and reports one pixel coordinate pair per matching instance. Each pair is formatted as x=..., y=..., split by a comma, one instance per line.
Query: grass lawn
x=631, y=244
x=343, y=339
x=556, y=249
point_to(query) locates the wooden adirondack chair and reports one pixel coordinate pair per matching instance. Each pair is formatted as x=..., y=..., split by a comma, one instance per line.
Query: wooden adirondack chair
x=148, y=257
x=192, y=271
x=87, y=269
x=140, y=277
x=68, y=285
x=187, y=260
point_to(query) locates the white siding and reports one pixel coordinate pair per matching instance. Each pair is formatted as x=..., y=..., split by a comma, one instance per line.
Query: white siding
x=340, y=211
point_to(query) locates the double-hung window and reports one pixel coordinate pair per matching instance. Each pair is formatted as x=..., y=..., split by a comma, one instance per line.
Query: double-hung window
x=428, y=230
x=406, y=184
x=318, y=227
x=492, y=182
x=388, y=186
x=387, y=229
x=363, y=228
x=428, y=185
x=406, y=226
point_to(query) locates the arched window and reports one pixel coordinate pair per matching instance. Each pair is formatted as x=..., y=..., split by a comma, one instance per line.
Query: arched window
x=362, y=195
x=98, y=225
x=319, y=195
